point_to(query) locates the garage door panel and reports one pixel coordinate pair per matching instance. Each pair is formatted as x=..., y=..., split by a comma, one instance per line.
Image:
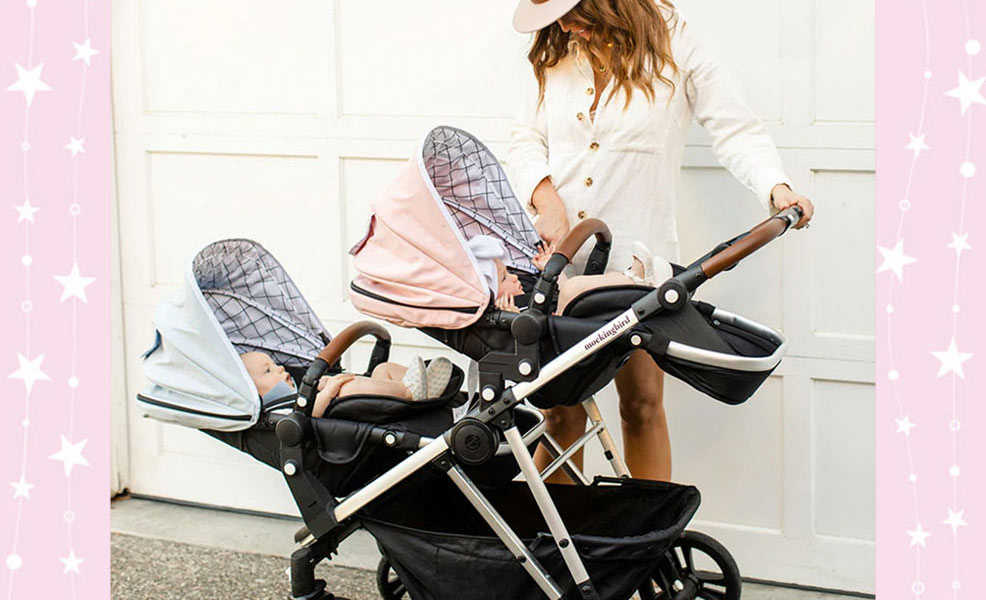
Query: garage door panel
x=206, y=197
x=843, y=84
x=425, y=65
x=735, y=454
x=844, y=472
x=842, y=295
x=233, y=56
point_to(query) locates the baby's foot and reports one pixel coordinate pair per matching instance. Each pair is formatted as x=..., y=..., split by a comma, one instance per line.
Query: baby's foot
x=437, y=376
x=415, y=380
x=641, y=270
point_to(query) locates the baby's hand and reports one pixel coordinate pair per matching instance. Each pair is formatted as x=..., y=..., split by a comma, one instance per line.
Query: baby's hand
x=328, y=388
x=540, y=259
x=506, y=303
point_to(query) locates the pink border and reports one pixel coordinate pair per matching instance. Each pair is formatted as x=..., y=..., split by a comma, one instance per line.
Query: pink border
x=54, y=527
x=914, y=36
x=930, y=414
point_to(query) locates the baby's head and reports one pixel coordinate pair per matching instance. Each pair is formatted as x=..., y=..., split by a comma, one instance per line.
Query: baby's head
x=265, y=372
x=508, y=284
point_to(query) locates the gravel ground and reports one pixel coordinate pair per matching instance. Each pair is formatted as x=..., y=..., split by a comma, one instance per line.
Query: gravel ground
x=149, y=569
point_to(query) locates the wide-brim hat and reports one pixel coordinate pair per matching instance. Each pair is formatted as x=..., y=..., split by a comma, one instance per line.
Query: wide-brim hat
x=532, y=15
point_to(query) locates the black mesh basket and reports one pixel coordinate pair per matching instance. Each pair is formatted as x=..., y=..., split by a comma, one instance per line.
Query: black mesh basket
x=442, y=550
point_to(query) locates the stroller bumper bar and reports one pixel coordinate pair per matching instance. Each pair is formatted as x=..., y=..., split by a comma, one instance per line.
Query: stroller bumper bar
x=730, y=361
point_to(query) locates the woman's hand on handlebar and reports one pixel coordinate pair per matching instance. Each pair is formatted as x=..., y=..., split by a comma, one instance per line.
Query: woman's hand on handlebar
x=783, y=197
x=552, y=222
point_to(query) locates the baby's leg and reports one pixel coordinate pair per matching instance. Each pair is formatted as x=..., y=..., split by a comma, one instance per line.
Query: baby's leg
x=376, y=387
x=574, y=286
x=389, y=371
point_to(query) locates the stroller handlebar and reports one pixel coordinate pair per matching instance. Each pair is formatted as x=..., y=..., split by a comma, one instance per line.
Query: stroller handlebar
x=331, y=354
x=757, y=238
x=546, y=287
x=580, y=233
x=348, y=336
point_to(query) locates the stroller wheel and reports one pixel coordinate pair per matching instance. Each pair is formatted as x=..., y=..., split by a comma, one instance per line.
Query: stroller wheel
x=388, y=582
x=685, y=574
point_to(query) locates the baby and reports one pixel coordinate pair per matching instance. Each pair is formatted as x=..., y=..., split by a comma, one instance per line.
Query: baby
x=644, y=270
x=415, y=382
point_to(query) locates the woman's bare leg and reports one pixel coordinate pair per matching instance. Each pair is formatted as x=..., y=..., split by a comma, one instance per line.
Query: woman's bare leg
x=646, y=441
x=565, y=424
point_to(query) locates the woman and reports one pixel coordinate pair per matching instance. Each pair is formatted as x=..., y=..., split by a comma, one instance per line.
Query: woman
x=601, y=134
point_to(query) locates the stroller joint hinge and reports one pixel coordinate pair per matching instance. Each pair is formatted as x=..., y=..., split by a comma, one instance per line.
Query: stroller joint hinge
x=443, y=463
x=587, y=591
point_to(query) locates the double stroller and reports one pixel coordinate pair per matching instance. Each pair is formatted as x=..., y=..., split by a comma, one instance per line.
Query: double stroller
x=457, y=506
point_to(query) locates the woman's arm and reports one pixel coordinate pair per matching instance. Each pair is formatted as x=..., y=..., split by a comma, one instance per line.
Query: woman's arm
x=739, y=139
x=527, y=166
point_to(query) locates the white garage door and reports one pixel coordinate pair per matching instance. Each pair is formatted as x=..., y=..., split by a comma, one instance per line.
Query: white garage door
x=281, y=121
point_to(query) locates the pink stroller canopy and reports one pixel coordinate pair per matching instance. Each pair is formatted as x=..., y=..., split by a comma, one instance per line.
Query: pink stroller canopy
x=414, y=266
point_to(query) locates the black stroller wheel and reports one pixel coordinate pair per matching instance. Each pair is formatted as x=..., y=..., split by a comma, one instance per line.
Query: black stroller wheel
x=388, y=582
x=678, y=578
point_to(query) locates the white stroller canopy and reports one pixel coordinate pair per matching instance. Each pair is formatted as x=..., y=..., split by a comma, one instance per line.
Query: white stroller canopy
x=236, y=299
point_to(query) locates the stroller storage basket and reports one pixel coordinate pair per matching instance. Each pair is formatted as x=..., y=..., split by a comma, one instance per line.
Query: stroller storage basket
x=441, y=548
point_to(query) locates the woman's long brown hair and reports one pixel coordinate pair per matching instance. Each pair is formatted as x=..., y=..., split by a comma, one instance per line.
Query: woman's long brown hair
x=631, y=38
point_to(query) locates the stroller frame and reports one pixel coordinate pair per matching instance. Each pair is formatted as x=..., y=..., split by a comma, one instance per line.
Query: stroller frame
x=329, y=521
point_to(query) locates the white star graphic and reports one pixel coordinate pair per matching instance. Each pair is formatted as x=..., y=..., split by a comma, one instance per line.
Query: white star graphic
x=960, y=243
x=71, y=563
x=30, y=371
x=951, y=360
x=84, y=51
x=895, y=260
x=29, y=82
x=25, y=212
x=74, y=145
x=968, y=92
x=71, y=455
x=75, y=284
x=917, y=144
x=22, y=488
x=918, y=536
x=905, y=425
x=955, y=519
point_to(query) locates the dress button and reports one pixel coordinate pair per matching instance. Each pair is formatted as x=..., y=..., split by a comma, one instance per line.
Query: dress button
x=580, y=116
x=594, y=146
x=588, y=181
x=590, y=92
x=581, y=214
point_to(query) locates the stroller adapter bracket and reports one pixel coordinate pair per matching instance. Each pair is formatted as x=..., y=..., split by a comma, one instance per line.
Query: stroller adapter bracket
x=314, y=500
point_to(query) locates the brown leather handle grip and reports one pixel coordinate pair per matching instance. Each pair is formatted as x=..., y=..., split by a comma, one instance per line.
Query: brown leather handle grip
x=759, y=236
x=580, y=233
x=340, y=343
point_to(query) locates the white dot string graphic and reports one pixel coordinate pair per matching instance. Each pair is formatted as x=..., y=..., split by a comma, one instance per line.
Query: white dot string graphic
x=84, y=54
x=14, y=561
x=967, y=170
x=895, y=260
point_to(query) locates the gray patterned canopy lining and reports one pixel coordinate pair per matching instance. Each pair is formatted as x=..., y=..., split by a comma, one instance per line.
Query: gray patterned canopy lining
x=474, y=188
x=257, y=304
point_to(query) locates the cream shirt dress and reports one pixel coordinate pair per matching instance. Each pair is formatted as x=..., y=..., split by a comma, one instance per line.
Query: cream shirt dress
x=623, y=166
